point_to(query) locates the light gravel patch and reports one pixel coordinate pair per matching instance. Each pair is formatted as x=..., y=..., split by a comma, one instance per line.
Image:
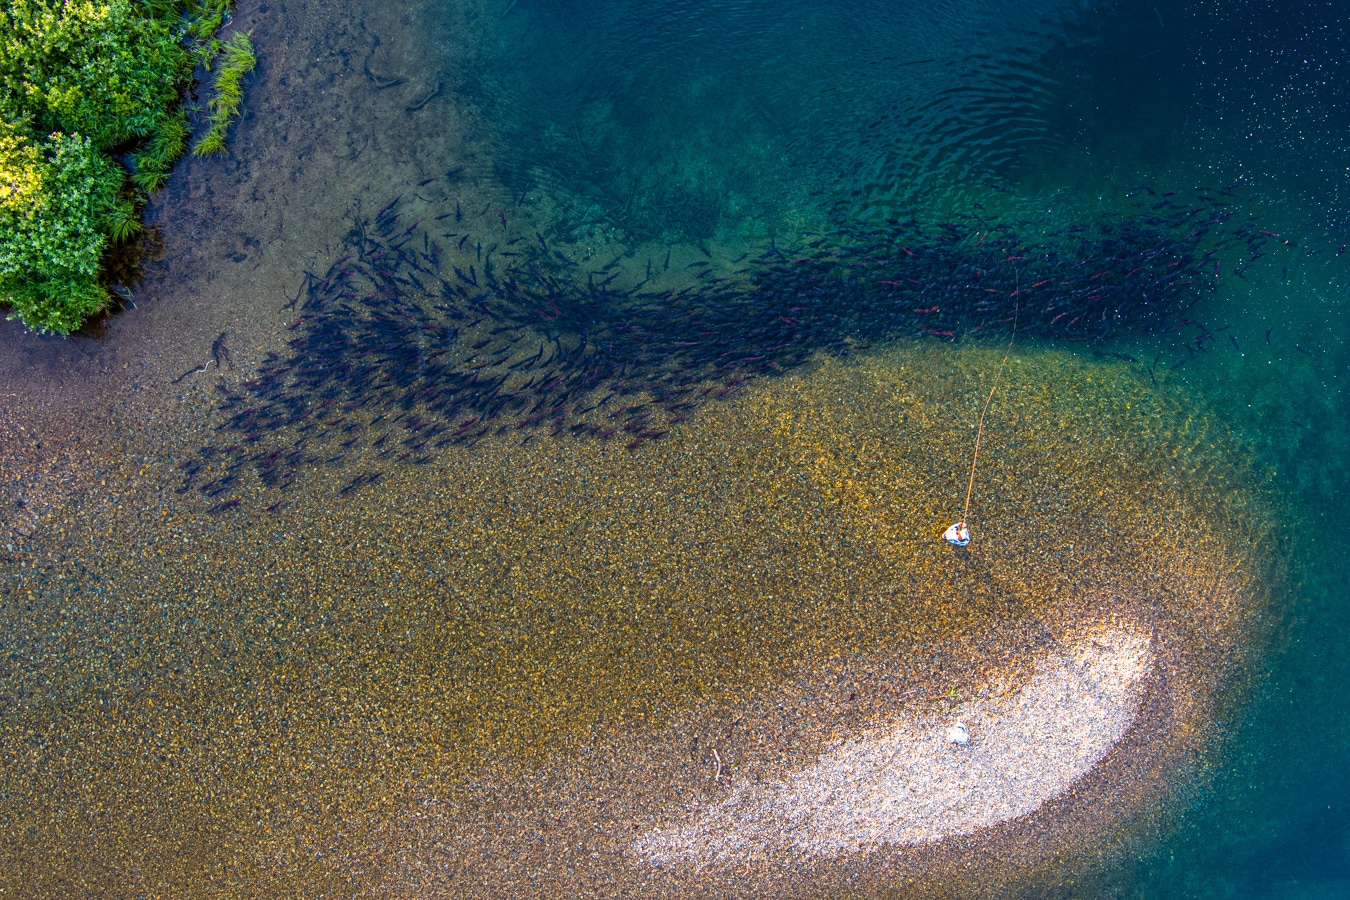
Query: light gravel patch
x=907, y=783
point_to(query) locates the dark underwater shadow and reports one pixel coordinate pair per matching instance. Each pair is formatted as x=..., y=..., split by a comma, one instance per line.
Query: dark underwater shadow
x=435, y=333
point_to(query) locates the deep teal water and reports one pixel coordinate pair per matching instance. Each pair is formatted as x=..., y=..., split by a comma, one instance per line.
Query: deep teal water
x=723, y=123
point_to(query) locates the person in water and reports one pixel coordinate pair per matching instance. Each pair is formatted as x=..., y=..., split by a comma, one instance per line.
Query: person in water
x=958, y=535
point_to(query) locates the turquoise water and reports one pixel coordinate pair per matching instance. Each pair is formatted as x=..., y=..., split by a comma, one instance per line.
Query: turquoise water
x=639, y=124
x=652, y=142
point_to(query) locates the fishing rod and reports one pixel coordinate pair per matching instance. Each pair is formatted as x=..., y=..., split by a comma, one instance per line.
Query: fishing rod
x=958, y=535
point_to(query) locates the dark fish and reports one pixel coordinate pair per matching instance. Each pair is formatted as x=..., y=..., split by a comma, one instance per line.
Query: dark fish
x=417, y=105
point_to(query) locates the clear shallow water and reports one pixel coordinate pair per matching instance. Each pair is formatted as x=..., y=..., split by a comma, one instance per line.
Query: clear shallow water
x=725, y=123
x=623, y=130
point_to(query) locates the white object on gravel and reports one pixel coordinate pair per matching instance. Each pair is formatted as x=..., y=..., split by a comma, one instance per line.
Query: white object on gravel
x=902, y=784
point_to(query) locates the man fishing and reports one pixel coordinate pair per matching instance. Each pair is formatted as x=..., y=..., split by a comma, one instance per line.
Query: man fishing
x=958, y=535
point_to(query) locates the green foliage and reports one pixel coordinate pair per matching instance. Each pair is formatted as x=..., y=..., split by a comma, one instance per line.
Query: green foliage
x=205, y=17
x=157, y=157
x=224, y=104
x=205, y=54
x=81, y=80
x=126, y=221
x=102, y=70
x=60, y=201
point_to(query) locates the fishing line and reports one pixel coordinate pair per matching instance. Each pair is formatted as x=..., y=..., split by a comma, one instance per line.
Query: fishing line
x=959, y=534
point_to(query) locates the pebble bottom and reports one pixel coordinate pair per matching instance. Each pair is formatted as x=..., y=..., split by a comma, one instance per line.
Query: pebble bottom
x=489, y=675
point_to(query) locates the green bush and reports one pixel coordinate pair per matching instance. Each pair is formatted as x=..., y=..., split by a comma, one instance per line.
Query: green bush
x=81, y=80
x=103, y=70
x=59, y=200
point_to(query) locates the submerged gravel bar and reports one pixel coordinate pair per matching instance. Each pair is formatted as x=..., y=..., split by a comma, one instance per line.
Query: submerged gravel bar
x=723, y=664
x=907, y=782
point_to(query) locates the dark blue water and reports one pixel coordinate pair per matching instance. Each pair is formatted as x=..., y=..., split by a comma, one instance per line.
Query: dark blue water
x=639, y=124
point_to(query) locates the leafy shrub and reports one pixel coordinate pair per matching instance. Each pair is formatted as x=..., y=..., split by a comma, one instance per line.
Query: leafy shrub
x=98, y=68
x=81, y=80
x=58, y=202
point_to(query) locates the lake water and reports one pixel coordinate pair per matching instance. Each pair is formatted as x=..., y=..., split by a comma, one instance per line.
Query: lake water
x=528, y=383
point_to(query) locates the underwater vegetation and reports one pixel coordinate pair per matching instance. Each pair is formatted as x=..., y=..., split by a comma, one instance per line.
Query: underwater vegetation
x=237, y=60
x=84, y=84
x=455, y=326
